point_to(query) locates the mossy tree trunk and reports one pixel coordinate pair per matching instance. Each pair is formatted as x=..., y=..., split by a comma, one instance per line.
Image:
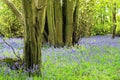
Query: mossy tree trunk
x=58, y=22
x=60, y=19
x=34, y=19
x=51, y=23
x=60, y=26
x=68, y=11
x=76, y=31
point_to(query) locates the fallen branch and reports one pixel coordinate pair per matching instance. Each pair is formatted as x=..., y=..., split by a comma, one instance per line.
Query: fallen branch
x=12, y=49
x=1, y=43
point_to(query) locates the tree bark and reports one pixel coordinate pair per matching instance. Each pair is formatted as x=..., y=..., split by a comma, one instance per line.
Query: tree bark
x=76, y=31
x=114, y=21
x=69, y=7
x=58, y=22
x=41, y=13
x=33, y=34
x=51, y=23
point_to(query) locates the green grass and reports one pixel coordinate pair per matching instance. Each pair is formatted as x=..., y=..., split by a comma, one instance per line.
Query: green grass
x=83, y=63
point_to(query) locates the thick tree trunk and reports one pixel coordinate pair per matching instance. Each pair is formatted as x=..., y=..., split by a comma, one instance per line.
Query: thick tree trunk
x=34, y=18
x=41, y=14
x=58, y=22
x=69, y=7
x=76, y=31
x=51, y=23
x=114, y=20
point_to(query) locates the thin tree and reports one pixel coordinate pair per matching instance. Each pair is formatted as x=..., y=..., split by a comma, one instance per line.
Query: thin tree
x=114, y=20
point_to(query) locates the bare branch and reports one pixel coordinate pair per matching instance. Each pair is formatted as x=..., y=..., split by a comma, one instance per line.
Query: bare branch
x=1, y=43
x=14, y=9
x=12, y=49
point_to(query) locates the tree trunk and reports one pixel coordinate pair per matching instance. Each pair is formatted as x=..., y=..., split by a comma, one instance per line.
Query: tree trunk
x=114, y=20
x=58, y=22
x=51, y=23
x=76, y=31
x=34, y=17
x=69, y=7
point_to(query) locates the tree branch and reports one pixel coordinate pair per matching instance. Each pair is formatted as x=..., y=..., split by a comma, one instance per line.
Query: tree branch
x=12, y=49
x=14, y=9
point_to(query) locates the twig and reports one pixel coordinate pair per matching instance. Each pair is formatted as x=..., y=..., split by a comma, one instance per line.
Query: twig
x=1, y=43
x=12, y=49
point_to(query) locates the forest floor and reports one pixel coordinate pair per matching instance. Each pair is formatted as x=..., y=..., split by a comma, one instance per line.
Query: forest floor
x=17, y=44
x=95, y=58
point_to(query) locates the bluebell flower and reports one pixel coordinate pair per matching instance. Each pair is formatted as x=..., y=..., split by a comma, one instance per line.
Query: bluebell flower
x=13, y=67
x=73, y=50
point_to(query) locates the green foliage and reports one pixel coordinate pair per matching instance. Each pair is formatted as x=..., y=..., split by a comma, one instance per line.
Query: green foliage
x=95, y=17
x=118, y=25
x=9, y=24
x=85, y=17
x=100, y=30
x=102, y=18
